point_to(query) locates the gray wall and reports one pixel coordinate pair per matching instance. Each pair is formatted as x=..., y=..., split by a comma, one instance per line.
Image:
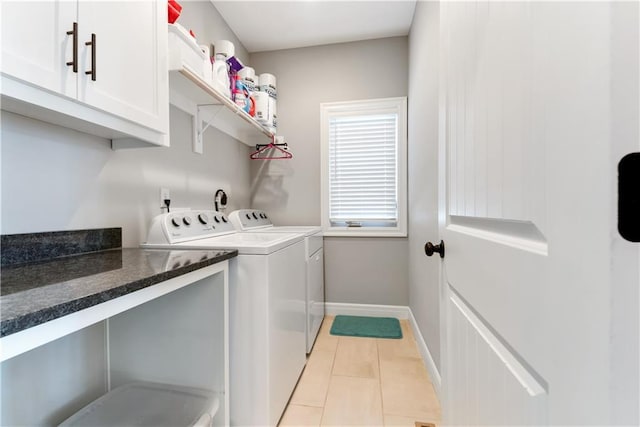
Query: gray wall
x=423, y=172
x=58, y=179
x=366, y=270
x=358, y=270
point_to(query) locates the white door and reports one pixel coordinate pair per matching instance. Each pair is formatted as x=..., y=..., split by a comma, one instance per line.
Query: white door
x=540, y=102
x=35, y=43
x=131, y=75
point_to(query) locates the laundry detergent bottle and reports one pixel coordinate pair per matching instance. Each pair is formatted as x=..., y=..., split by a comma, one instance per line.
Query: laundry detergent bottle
x=248, y=77
x=241, y=95
x=224, y=49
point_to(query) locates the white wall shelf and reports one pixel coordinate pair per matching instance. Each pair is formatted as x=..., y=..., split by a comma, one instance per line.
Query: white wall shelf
x=209, y=107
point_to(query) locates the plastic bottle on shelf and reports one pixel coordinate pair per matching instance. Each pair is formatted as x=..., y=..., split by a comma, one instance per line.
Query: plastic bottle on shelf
x=241, y=96
x=207, y=66
x=256, y=84
x=223, y=49
x=248, y=76
x=266, y=98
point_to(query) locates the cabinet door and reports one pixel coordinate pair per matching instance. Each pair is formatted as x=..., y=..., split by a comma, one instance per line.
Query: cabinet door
x=35, y=43
x=131, y=78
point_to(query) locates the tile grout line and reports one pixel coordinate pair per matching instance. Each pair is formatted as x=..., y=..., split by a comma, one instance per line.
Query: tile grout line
x=333, y=362
x=380, y=380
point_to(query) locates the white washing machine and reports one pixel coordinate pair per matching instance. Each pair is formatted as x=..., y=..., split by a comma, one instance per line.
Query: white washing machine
x=252, y=220
x=266, y=303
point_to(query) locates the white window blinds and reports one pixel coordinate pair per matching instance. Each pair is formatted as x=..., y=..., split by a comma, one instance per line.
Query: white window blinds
x=363, y=170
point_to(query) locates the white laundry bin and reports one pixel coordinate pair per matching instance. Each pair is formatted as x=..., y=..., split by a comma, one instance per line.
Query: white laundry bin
x=149, y=404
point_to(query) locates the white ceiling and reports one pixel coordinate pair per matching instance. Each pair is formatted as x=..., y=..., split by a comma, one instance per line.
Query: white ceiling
x=272, y=25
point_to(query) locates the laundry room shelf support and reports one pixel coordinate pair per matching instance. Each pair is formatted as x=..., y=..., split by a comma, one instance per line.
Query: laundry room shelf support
x=202, y=124
x=190, y=93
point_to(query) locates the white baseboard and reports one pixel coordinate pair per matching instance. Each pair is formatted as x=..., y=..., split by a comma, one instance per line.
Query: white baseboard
x=399, y=312
x=436, y=379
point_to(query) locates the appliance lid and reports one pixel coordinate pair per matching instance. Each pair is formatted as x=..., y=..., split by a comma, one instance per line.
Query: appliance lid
x=307, y=230
x=245, y=243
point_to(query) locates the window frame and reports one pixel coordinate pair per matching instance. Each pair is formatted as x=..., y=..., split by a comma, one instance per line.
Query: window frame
x=397, y=105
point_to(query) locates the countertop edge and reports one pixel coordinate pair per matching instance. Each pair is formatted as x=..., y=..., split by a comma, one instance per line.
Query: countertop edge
x=15, y=325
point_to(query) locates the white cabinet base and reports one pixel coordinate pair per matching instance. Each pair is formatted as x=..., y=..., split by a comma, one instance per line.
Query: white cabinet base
x=21, y=98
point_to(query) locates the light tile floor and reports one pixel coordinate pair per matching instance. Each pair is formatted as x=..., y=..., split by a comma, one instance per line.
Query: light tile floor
x=363, y=381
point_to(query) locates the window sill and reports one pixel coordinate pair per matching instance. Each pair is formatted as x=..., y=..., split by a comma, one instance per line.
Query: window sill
x=363, y=233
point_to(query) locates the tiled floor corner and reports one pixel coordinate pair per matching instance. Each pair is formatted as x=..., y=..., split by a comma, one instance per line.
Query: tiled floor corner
x=363, y=381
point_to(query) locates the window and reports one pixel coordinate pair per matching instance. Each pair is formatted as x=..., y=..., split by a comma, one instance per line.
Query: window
x=364, y=162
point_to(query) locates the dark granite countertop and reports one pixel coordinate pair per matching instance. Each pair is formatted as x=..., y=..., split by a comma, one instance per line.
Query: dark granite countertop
x=33, y=293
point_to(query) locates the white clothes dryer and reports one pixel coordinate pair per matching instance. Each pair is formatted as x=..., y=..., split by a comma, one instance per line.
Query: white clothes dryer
x=266, y=308
x=257, y=221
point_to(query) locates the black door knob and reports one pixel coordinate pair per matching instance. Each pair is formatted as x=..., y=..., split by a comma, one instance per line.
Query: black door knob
x=430, y=248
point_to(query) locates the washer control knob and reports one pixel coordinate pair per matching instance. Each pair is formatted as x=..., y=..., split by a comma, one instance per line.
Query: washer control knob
x=255, y=216
x=186, y=220
x=203, y=219
x=248, y=216
x=216, y=219
x=175, y=222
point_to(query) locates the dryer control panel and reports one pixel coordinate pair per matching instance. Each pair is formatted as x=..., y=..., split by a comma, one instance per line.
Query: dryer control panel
x=190, y=225
x=250, y=219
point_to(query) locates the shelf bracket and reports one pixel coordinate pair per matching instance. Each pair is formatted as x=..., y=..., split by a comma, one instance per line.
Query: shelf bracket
x=202, y=124
x=188, y=91
x=183, y=103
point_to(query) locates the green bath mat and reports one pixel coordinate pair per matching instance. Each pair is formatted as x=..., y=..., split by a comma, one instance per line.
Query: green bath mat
x=373, y=327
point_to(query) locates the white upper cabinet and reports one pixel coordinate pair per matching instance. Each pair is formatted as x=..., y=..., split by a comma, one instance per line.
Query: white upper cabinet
x=119, y=88
x=36, y=46
x=128, y=67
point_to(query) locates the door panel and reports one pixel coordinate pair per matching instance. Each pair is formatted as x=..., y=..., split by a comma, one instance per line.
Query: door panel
x=35, y=44
x=131, y=77
x=494, y=387
x=494, y=168
x=528, y=115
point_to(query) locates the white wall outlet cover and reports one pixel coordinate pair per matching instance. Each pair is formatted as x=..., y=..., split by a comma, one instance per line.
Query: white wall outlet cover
x=164, y=195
